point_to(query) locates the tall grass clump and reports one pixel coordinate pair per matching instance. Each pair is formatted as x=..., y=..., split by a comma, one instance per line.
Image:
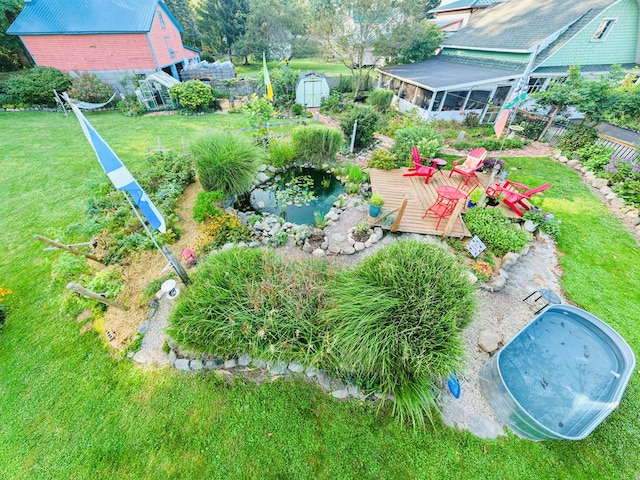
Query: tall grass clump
x=252, y=301
x=226, y=163
x=497, y=232
x=380, y=99
x=281, y=152
x=317, y=144
x=395, y=323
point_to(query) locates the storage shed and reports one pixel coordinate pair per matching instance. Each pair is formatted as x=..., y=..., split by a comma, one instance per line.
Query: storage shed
x=311, y=89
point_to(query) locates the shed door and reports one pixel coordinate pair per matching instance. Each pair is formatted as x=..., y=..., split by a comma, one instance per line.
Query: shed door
x=312, y=92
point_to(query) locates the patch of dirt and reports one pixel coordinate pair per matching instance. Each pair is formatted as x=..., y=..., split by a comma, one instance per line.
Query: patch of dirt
x=145, y=268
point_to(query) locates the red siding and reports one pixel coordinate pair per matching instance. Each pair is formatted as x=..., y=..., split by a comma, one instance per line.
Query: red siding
x=91, y=52
x=166, y=39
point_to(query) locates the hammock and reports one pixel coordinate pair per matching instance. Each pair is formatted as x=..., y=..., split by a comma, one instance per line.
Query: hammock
x=91, y=106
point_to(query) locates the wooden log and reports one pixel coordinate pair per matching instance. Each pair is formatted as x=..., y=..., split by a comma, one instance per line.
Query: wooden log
x=74, y=287
x=68, y=248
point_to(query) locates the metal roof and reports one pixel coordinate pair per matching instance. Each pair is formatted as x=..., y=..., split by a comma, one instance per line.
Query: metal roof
x=440, y=73
x=521, y=24
x=45, y=17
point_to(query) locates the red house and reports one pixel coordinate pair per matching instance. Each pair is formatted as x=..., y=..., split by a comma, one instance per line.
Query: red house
x=111, y=38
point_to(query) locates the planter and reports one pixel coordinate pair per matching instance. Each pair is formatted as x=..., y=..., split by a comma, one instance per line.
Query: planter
x=374, y=210
x=530, y=225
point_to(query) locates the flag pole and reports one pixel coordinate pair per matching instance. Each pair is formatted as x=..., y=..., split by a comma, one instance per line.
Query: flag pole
x=180, y=271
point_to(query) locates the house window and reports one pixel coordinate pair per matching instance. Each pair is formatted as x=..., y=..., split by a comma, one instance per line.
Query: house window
x=455, y=100
x=535, y=84
x=478, y=99
x=603, y=30
x=161, y=18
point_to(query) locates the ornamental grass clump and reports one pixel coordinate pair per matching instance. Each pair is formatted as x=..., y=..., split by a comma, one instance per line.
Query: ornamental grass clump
x=317, y=144
x=252, y=301
x=226, y=163
x=394, y=324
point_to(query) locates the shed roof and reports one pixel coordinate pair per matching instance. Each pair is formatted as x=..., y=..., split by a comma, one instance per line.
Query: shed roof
x=441, y=73
x=519, y=25
x=46, y=17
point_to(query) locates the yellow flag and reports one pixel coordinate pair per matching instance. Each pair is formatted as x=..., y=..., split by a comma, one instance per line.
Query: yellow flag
x=267, y=79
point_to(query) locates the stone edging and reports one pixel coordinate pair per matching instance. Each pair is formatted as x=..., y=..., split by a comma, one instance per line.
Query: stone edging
x=615, y=203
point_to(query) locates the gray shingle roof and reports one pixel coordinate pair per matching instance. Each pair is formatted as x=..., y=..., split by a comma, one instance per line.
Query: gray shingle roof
x=41, y=17
x=521, y=24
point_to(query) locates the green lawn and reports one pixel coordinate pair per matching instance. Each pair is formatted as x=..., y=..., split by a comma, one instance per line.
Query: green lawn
x=321, y=65
x=69, y=410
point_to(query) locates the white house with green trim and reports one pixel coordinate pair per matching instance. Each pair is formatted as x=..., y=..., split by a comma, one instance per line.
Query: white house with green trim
x=481, y=65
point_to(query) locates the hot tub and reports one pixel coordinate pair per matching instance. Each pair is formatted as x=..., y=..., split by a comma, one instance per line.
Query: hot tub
x=559, y=377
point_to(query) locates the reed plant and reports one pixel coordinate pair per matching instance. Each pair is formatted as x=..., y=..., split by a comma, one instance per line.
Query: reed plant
x=395, y=323
x=317, y=144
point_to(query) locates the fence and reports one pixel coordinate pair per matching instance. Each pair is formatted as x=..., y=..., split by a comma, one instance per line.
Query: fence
x=534, y=125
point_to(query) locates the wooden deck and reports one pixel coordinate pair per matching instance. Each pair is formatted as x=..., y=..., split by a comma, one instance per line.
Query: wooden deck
x=394, y=188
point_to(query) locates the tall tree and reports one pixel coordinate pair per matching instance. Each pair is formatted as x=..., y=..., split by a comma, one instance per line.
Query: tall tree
x=222, y=23
x=12, y=52
x=185, y=16
x=350, y=28
x=407, y=45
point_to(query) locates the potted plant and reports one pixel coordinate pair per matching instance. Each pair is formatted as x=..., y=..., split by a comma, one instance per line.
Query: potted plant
x=545, y=222
x=375, y=204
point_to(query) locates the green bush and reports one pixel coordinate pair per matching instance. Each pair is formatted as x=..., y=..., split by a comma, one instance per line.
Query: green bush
x=220, y=229
x=368, y=122
x=298, y=109
x=383, y=160
x=595, y=157
x=532, y=130
x=355, y=174
x=193, y=95
x=414, y=136
x=316, y=144
x=226, y=163
x=89, y=88
x=346, y=84
x=130, y=106
x=281, y=152
x=380, y=99
x=207, y=205
x=576, y=137
x=252, y=301
x=471, y=120
x=497, y=232
x=35, y=86
x=395, y=322
x=491, y=144
x=334, y=103
x=629, y=191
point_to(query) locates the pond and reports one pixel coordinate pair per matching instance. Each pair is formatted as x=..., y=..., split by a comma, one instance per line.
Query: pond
x=297, y=195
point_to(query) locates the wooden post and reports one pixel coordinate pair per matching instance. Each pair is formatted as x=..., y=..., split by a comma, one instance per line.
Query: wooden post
x=396, y=222
x=68, y=248
x=74, y=287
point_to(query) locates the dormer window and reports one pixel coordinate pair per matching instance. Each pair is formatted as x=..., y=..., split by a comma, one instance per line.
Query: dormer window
x=603, y=30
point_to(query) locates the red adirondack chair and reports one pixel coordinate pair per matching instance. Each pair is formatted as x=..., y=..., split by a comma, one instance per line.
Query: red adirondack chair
x=470, y=164
x=515, y=194
x=419, y=170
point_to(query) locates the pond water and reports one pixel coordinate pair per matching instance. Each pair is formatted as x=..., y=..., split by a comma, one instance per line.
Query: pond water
x=295, y=195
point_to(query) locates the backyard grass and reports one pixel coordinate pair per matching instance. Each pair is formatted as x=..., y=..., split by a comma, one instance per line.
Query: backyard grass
x=321, y=65
x=70, y=410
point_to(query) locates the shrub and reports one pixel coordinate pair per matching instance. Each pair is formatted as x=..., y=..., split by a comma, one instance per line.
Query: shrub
x=207, y=205
x=193, y=95
x=226, y=163
x=334, y=103
x=346, y=84
x=317, y=144
x=281, y=153
x=413, y=136
x=298, y=109
x=497, y=232
x=130, y=106
x=220, y=229
x=252, y=301
x=89, y=88
x=471, y=120
x=35, y=86
x=620, y=170
x=629, y=191
x=395, y=323
x=259, y=110
x=380, y=99
x=368, y=122
x=576, y=137
x=490, y=144
x=532, y=130
x=383, y=159
x=595, y=157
